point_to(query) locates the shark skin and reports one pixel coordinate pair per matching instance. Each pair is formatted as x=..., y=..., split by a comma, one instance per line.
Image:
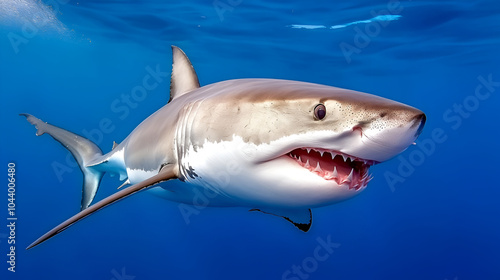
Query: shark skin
x=279, y=147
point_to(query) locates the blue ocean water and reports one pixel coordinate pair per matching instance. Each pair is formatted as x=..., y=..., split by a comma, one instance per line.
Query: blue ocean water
x=431, y=213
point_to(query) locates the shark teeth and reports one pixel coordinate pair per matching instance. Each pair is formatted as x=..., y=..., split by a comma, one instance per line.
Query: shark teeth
x=318, y=168
x=343, y=169
x=328, y=175
x=349, y=177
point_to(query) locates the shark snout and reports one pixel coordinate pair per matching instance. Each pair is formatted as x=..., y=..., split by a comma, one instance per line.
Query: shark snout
x=419, y=121
x=386, y=132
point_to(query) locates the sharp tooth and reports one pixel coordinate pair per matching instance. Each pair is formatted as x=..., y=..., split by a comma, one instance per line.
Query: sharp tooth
x=307, y=164
x=299, y=159
x=334, y=174
x=321, y=153
x=349, y=178
x=344, y=157
x=308, y=150
x=367, y=178
x=318, y=168
x=333, y=154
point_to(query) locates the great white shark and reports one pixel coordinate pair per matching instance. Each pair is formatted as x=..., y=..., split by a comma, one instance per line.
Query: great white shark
x=276, y=146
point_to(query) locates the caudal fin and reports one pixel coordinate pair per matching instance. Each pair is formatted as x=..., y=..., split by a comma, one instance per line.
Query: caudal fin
x=81, y=148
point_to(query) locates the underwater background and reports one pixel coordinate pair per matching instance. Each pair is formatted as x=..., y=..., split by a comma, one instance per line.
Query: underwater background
x=430, y=213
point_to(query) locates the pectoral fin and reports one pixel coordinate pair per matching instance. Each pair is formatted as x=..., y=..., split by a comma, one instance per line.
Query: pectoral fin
x=301, y=218
x=165, y=174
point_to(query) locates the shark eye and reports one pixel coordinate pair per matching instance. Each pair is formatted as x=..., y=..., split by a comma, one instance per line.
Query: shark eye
x=319, y=112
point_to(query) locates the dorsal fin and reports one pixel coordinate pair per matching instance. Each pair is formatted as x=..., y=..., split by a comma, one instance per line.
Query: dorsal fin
x=183, y=78
x=114, y=145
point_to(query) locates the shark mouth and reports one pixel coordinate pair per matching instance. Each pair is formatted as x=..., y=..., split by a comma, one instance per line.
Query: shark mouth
x=334, y=165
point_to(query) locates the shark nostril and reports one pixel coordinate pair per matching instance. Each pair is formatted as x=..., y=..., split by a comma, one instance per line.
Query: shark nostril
x=358, y=128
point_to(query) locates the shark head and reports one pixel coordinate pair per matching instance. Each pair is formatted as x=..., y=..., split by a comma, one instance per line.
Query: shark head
x=280, y=143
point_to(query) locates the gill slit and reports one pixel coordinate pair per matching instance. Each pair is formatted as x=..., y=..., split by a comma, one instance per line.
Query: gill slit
x=188, y=119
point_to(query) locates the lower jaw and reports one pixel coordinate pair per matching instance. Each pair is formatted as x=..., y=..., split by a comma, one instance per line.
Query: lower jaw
x=355, y=187
x=350, y=185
